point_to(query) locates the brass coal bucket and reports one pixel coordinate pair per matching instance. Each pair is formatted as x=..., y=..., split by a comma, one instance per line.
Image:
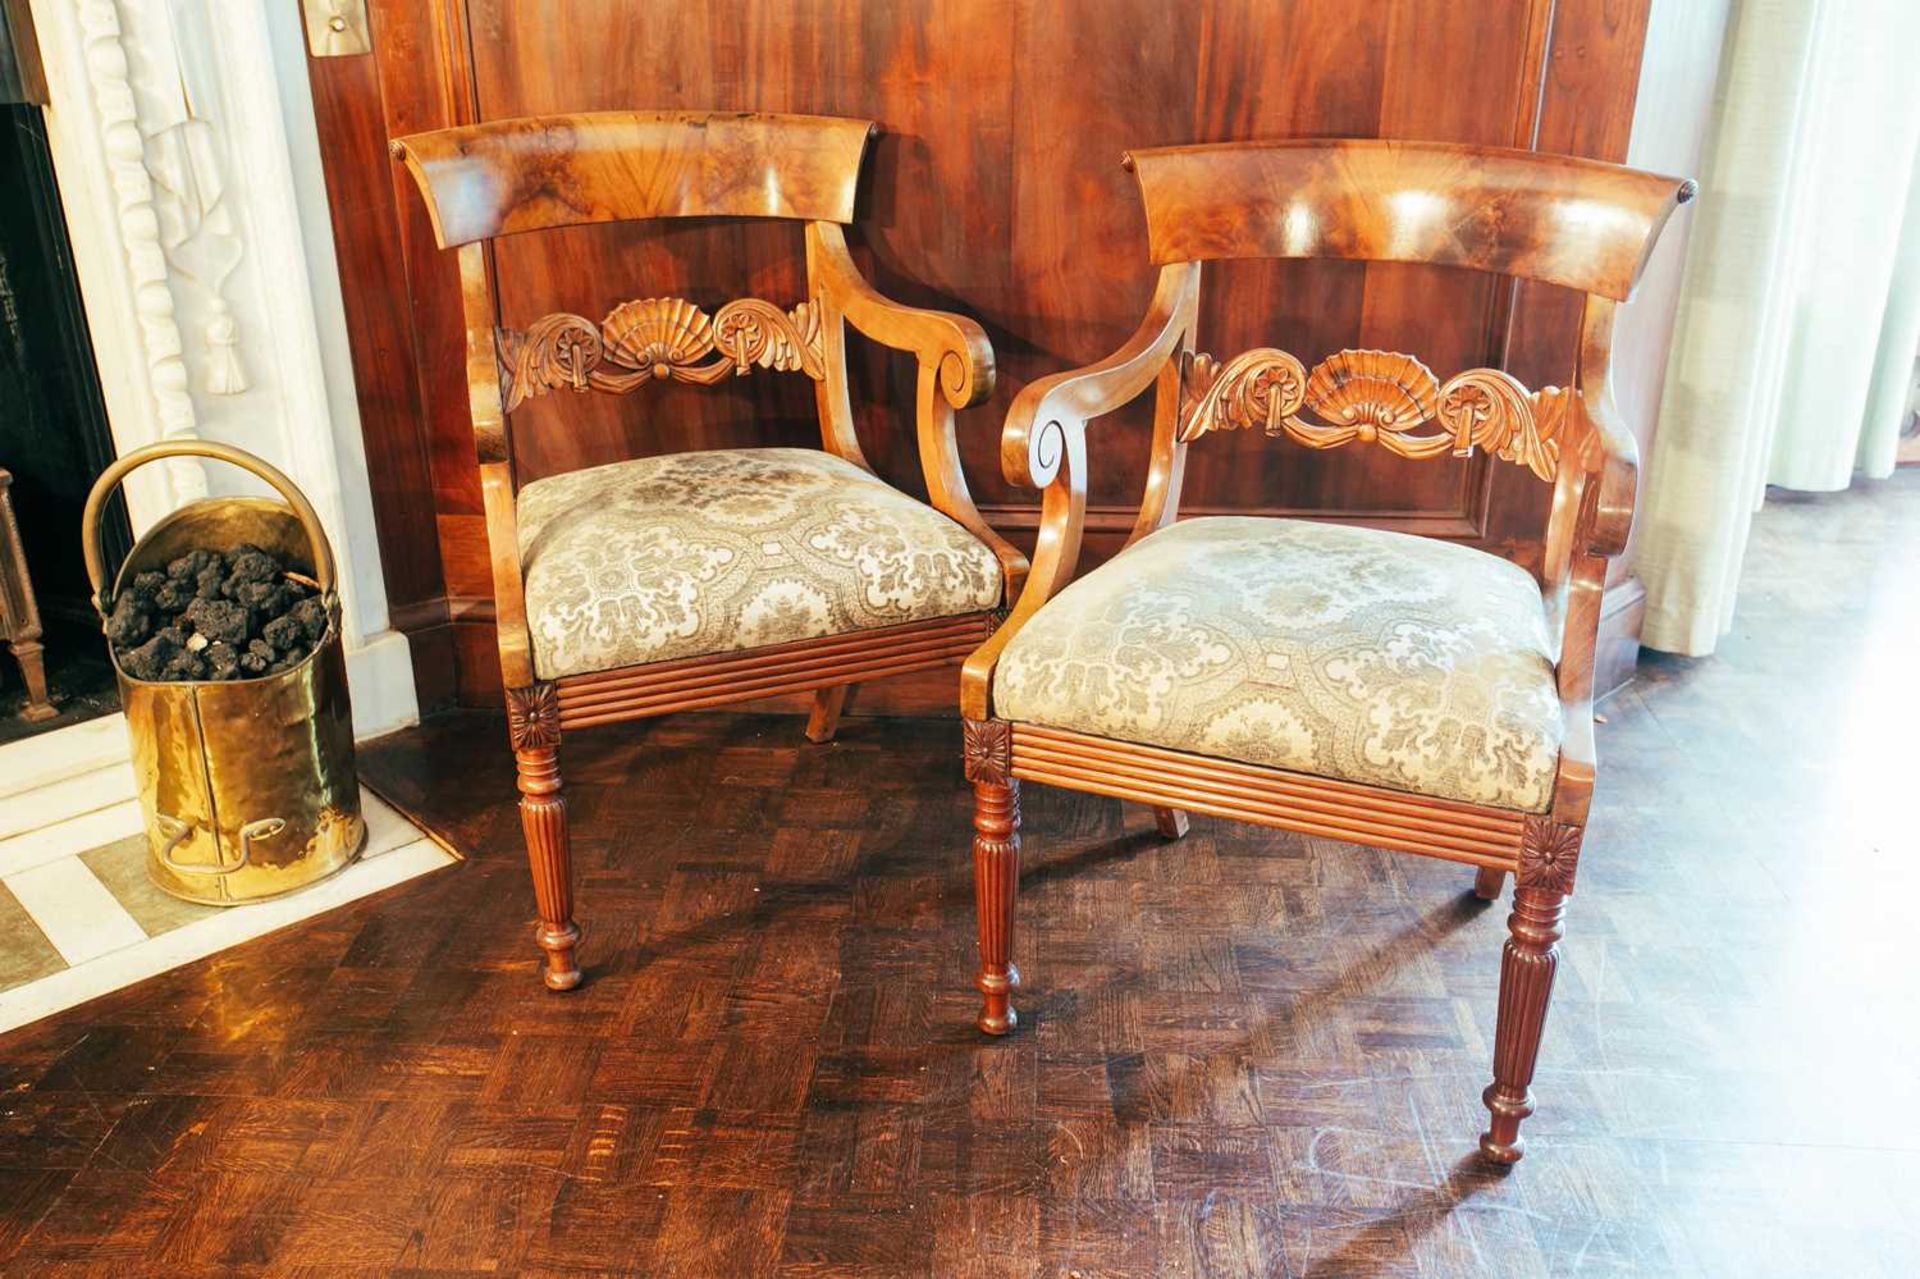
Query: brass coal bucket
x=248, y=785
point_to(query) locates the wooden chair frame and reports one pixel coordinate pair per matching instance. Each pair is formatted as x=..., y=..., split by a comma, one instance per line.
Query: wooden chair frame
x=507, y=177
x=1574, y=223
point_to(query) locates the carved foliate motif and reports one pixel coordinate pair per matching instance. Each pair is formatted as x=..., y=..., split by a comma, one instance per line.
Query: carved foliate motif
x=987, y=750
x=1549, y=853
x=1375, y=397
x=657, y=338
x=533, y=716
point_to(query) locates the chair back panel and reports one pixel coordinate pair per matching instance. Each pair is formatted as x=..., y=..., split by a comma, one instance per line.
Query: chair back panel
x=1582, y=224
x=509, y=176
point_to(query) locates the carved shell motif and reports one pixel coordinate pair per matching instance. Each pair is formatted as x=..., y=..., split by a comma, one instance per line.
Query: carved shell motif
x=1381, y=390
x=657, y=334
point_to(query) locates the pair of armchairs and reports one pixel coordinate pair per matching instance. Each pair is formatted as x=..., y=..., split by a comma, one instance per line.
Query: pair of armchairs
x=1346, y=682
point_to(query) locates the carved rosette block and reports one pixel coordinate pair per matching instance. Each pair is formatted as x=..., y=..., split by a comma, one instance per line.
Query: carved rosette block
x=1374, y=397
x=987, y=750
x=655, y=339
x=533, y=717
x=1549, y=854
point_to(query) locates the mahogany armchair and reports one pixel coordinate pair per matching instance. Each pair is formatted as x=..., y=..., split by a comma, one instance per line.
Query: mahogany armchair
x=700, y=579
x=1352, y=683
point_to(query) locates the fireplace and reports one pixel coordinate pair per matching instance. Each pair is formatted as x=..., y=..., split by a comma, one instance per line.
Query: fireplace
x=175, y=140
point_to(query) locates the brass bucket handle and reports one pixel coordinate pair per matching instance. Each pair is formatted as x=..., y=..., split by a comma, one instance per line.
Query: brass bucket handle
x=111, y=477
x=177, y=832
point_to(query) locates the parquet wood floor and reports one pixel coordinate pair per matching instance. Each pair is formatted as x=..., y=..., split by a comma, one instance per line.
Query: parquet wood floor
x=1244, y=1054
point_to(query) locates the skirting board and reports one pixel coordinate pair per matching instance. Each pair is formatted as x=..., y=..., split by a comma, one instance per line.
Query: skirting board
x=1617, y=654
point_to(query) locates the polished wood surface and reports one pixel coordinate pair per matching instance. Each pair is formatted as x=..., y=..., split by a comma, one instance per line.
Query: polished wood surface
x=1311, y=805
x=482, y=182
x=1555, y=222
x=1250, y=1053
x=833, y=661
x=535, y=174
x=382, y=311
x=995, y=172
x=1578, y=223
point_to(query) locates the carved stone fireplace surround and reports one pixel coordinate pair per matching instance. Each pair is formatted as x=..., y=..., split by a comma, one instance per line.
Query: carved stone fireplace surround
x=183, y=138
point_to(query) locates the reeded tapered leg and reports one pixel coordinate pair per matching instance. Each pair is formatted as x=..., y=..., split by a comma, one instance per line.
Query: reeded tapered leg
x=996, y=884
x=33, y=668
x=1488, y=883
x=1170, y=822
x=824, y=722
x=543, y=815
x=1527, y=966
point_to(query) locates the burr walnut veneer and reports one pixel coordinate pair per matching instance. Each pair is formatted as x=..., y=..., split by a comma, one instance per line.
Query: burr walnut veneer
x=507, y=177
x=1578, y=224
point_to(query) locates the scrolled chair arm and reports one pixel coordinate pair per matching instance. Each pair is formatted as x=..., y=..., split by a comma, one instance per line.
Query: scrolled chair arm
x=951, y=345
x=1044, y=446
x=1048, y=419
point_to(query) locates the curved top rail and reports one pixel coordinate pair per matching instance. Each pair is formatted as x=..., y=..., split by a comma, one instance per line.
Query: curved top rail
x=504, y=177
x=1582, y=224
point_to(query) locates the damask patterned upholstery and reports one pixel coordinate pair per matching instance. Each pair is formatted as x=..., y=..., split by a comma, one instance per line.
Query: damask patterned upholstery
x=1351, y=653
x=711, y=552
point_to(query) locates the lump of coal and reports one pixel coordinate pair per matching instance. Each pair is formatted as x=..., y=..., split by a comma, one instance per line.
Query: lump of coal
x=255, y=661
x=283, y=633
x=188, y=567
x=223, y=661
x=173, y=595
x=184, y=665
x=222, y=620
x=249, y=563
x=312, y=616
x=288, y=660
x=270, y=598
x=149, y=661
x=145, y=584
x=131, y=621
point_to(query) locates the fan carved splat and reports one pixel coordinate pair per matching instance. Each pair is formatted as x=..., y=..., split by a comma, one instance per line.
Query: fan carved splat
x=656, y=339
x=1374, y=397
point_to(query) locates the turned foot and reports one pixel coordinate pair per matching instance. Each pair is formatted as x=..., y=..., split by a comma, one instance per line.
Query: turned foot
x=562, y=972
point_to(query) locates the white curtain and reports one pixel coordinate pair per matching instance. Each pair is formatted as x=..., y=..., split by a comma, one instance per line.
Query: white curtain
x=1799, y=315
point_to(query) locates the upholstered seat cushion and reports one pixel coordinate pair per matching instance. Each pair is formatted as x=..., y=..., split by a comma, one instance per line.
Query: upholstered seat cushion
x=1342, y=652
x=711, y=552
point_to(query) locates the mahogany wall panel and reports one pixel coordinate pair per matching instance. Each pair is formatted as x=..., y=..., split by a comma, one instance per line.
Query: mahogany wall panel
x=995, y=189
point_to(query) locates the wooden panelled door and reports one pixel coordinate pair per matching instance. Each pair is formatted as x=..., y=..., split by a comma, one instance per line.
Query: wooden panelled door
x=995, y=181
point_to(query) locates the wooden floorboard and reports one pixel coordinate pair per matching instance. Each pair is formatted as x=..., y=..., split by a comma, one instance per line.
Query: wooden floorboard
x=1248, y=1053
